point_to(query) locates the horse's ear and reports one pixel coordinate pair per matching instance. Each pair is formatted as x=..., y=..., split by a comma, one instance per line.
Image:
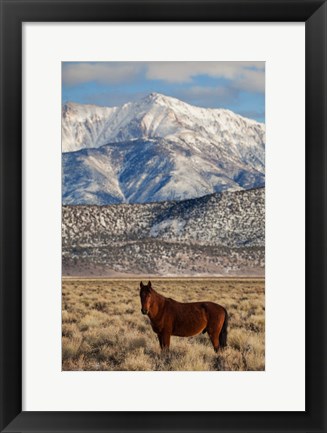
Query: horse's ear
x=141, y=285
x=149, y=285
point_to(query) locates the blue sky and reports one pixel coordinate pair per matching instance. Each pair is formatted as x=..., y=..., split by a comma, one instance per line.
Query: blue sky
x=238, y=86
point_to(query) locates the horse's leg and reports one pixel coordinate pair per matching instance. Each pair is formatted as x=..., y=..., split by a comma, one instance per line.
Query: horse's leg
x=214, y=328
x=165, y=339
x=214, y=337
x=160, y=340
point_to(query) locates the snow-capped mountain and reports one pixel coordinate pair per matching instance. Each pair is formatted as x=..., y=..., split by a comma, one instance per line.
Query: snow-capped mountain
x=216, y=234
x=156, y=149
x=81, y=125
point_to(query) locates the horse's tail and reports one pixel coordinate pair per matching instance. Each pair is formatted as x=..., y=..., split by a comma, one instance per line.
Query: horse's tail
x=224, y=331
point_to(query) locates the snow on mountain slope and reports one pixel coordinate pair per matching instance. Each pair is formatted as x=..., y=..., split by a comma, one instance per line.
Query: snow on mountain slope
x=158, y=116
x=217, y=234
x=156, y=149
x=82, y=125
x=146, y=171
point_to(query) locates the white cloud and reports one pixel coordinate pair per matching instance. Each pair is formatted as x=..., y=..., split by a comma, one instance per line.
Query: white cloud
x=101, y=72
x=250, y=80
x=248, y=76
x=207, y=91
x=243, y=75
x=210, y=96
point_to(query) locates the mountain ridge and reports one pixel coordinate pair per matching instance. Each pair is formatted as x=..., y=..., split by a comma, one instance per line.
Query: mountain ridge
x=216, y=234
x=157, y=149
x=124, y=114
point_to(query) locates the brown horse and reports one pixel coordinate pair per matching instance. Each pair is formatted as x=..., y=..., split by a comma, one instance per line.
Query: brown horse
x=169, y=317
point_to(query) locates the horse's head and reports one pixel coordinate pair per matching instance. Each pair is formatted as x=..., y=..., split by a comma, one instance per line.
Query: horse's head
x=145, y=295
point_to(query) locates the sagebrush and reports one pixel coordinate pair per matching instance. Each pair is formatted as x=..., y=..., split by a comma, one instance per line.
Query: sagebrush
x=103, y=328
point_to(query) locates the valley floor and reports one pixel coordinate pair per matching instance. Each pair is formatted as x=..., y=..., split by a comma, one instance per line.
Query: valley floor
x=103, y=328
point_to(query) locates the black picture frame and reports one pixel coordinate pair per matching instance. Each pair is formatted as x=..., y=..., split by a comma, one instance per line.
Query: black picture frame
x=13, y=14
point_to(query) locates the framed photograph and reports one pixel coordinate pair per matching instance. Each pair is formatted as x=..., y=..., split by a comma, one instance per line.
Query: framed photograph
x=163, y=216
x=162, y=190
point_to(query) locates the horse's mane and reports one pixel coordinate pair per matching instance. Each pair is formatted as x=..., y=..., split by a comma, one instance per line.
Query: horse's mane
x=159, y=294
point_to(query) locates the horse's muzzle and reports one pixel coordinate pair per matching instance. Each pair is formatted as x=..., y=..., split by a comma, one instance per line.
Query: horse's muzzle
x=144, y=311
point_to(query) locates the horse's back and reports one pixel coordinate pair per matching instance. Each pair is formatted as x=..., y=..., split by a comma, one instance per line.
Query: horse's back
x=213, y=308
x=191, y=318
x=196, y=307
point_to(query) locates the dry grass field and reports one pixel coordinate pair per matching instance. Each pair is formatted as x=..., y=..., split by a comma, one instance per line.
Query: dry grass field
x=103, y=328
